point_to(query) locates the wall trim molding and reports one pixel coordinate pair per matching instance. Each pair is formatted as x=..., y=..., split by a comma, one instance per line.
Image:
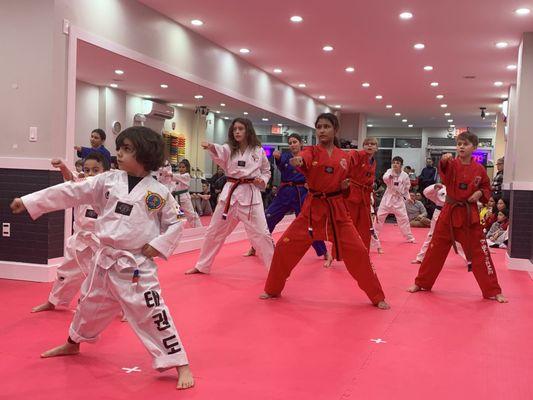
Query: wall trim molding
x=521, y=185
x=519, y=264
x=26, y=163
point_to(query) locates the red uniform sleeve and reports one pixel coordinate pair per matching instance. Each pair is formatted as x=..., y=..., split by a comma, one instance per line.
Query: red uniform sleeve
x=444, y=171
x=307, y=156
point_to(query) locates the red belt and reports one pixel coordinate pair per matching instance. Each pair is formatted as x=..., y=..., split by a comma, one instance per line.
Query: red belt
x=236, y=182
x=296, y=185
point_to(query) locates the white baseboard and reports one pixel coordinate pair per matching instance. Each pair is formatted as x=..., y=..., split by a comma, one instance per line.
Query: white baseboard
x=519, y=264
x=192, y=239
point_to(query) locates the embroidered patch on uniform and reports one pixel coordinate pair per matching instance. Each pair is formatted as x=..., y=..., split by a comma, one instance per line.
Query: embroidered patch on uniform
x=314, y=163
x=91, y=214
x=396, y=183
x=463, y=186
x=343, y=163
x=328, y=170
x=154, y=201
x=255, y=157
x=123, y=208
x=286, y=239
x=241, y=163
x=477, y=181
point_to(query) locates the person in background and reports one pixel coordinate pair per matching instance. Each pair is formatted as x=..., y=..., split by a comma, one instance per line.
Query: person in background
x=497, y=235
x=428, y=176
x=416, y=212
x=97, y=144
x=201, y=202
x=497, y=181
x=216, y=184
x=270, y=196
x=486, y=211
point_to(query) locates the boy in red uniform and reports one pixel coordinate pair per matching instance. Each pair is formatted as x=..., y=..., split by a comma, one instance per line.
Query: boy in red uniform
x=466, y=182
x=324, y=216
x=362, y=172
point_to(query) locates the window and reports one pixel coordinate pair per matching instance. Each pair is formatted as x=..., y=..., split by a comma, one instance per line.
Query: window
x=408, y=143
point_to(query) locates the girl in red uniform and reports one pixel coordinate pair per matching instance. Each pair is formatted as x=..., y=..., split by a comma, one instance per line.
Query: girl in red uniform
x=466, y=182
x=324, y=217
x=362, y=173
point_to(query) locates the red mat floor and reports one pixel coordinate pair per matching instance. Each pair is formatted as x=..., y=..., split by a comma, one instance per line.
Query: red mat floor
x=321, y=340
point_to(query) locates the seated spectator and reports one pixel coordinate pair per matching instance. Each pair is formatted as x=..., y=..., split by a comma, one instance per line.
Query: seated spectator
x=486, y=209
x=497, y=235
x=201, y=202
x=269, y=195
x=416, y=212
x=492, y=218
x=216, y=183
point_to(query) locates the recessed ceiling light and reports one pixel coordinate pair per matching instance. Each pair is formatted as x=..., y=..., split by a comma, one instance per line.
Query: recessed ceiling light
x=439, y=96
x=322, y=97
x=217, y=111
x=428, y=68
x=119, y=72
x=410, y=125
x=164, y=86
x=280, y=124
x=198, y=96
x=264, y=119
x=296, y=18
x=498, y=83
x=452, y=126
x=502, y=45
x=522, y=11
x=349, y=69
x=226, y=117
x=511, y=67
x=434, y=84
x=447, y=114
x=450, y=120
x=379, y=97
x=114, y=85
x=404, y=120
x=369, y=126
x=338, y=106
x=327, y=48
x=503, y=96
x=147, y=96
x=444, y=105
x=365, y=84
x=398, y=114
x=487, y=113
x=245, y=113
x=244, y=50
x=222, y=104
x=419, y=46
x=301, y=85
x=388, y=106
x=180, y=104
x=406, y=15
x=278, y=70
x=197, y=22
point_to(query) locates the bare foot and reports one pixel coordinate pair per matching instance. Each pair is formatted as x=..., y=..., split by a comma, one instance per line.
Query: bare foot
x=67, y=349
x=193, y=271
x=250, y=252
x=380, y=251
x=414, y=289
x=43, y=307
x=415, y=261
x=383, y=305
x=185, y=380
x=500, y=298
x=266, y=296
x=329, y=260
x=411, y=240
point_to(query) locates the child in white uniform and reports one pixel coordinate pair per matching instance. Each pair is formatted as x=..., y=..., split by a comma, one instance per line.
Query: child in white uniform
x=81, y=246
x=248, y=172
x=393, y=201
x=182, y=182
x=137, y=220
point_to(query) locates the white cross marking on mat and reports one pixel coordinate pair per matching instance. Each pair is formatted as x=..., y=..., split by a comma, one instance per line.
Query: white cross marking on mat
x=378, y=341
x=130, y=370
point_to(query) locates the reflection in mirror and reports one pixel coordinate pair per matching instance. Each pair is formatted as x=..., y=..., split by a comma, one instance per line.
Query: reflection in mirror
x=114, y=92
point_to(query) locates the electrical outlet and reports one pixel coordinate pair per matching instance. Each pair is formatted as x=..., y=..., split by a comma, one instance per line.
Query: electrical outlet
x=6, y=229
x=33, y=134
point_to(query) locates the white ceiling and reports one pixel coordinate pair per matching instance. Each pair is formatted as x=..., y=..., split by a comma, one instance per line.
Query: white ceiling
x=459, y=35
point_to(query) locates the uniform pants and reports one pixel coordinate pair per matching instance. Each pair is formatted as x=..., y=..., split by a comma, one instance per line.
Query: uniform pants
x=186, y=206
x=107, y=292
x=70, y=274
x=287, y=200
x=475, y=246
x=360, y=214
x=402, y=219
x=253, y=218
x=294, y=243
